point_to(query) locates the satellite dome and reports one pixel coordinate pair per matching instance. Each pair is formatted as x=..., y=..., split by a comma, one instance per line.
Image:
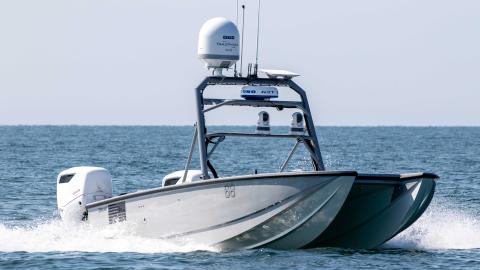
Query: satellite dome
x=218, y=43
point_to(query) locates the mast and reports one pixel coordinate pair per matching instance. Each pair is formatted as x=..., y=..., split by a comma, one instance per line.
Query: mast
x=255, y=68
x=235, y=65
x=241, y=45
x=202, y=143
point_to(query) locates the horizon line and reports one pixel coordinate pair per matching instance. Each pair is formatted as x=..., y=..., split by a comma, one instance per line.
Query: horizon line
x=220, y=125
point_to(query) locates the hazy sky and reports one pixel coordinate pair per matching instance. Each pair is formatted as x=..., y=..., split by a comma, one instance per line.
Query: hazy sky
x=408, y=62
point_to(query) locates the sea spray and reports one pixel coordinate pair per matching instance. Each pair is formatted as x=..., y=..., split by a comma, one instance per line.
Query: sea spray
x=441, y=227
x=54, y=235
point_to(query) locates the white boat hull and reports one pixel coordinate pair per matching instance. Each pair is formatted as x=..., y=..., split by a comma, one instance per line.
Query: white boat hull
x=284, y=210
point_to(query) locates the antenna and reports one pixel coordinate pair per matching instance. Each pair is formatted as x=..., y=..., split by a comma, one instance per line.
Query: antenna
x=255, y=68
x=235, y=66
x=237, y=15
x=243, y=30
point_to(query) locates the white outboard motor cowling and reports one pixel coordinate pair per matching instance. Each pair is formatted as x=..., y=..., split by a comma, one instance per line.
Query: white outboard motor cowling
x=79, y=186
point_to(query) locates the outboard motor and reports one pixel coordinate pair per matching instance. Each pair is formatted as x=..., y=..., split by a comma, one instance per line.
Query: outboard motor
x=79, y=186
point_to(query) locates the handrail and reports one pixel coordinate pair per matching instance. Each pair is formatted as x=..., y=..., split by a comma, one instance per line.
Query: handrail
x=284, y=165
x=214, y=80
x=190, y=153
x=260, y=135
x=254, y=103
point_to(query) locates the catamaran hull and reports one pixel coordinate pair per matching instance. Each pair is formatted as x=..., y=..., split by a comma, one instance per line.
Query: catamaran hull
x=378, y=208
x=284, y=210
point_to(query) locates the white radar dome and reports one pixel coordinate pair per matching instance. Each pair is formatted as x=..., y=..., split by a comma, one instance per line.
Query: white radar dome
x=218, y=43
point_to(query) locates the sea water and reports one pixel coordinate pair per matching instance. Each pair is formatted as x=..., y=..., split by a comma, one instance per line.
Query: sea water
x=447, y=236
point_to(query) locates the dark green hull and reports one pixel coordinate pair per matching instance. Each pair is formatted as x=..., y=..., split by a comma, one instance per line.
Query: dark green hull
x=378, y=208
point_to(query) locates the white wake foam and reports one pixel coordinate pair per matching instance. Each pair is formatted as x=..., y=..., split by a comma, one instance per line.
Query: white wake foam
x=54, y=235
x=441, y=227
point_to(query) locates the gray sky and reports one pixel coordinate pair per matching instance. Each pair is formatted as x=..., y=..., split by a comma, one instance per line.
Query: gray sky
x=408, y=62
